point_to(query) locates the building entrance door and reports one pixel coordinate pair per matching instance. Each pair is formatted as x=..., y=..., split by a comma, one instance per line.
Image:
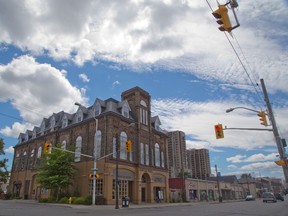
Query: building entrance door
x=143, y=195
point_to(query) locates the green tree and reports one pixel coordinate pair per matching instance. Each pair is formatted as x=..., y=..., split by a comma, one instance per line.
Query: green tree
x=56, y=170
x=4, y=173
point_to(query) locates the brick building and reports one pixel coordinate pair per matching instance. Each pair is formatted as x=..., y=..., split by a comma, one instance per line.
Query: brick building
x=143, y=173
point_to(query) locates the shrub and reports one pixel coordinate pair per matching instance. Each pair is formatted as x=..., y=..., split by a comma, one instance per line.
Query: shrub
x=79, y=200
x=64, y=200
x=43, y=200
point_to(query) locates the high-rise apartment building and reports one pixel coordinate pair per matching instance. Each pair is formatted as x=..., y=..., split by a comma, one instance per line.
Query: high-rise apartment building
x=177, y=153
x=199, y=163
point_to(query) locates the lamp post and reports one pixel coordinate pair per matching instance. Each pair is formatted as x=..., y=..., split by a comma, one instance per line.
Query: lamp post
x=94, y=156
x=232, y=109
x=116, y=177
x=218, y=184
x=274, y=129
x=117, y=164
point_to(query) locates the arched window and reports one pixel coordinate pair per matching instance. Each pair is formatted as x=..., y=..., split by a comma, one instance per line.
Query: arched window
x=97, y=143
x=78, y=149
x=32, y=153
x=123, y=139
x=142, y=153
x=114, y=147
x=39, y=153
x=143, y=113
x=64, y=144
x=147, y=154
x=157, y=155
x=162, y=159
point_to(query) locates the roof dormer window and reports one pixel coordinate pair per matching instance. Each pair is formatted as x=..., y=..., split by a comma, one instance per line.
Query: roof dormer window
x=79, y=116
x=97, y=109
x=52, y=122
x=64, y=122
x=125, y=110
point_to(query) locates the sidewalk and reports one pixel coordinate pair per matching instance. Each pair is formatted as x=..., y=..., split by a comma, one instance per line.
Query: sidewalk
x=131, y=205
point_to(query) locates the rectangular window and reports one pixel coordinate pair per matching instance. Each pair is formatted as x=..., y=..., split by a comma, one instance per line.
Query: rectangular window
x=122, y=189
x=98, y=188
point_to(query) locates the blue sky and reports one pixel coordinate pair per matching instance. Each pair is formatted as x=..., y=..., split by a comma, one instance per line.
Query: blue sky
x=54, y=53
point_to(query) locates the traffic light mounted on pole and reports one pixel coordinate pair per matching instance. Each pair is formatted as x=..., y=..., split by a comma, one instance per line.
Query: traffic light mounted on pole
x=221, y=14
x=128, y=145
x=47, y=148
x=219, y=131
x=263, y=119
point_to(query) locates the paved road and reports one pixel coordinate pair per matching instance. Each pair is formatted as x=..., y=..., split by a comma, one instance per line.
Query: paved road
x=244, y=208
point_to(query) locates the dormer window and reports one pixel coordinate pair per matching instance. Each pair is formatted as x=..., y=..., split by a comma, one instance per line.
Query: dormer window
x=26, y=137
x=43, y=126
x=52, y=122
x=79, y=116
x=97, y=109
x=64, y=122
x=34, y=133
x=125, y=110
x=157, y=124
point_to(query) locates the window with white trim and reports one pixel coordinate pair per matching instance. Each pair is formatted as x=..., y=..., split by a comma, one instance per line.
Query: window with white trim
x=123, y=139
x=97, y=109
x=64, y=144
x=157, y=155
x=78, y=149
x=162, y=159
x=143, y=113
x=64, y=122
x=125, y=110
x=147, y=154
x=142, y=153
x=97, y=143
x=79, y=116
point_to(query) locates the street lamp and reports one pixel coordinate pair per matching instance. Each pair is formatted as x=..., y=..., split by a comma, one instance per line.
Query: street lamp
x=277, y=138
x=94, y=156
x=231, y=109
x=116, y=174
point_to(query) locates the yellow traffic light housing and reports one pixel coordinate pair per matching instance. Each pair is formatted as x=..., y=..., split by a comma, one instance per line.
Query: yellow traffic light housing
x=47, y=148
x=219, y=131
x=263, y=119
x=221, y=14
x=97, y=176
x=128, y=145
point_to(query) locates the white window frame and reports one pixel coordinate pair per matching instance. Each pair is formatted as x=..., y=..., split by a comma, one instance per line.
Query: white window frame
x=78, y=149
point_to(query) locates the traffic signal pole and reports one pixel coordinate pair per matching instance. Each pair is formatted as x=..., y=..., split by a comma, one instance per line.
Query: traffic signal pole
x=275, y=130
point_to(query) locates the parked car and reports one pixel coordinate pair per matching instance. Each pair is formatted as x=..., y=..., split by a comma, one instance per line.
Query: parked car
x=250, y=198
x=268, y=197
x=279, y=197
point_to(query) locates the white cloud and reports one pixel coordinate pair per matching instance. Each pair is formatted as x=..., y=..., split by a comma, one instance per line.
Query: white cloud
x=115, y=83
x=34, y=89
x=9, y=150
x=175, y=35
x=253, y=158
x=197, y=120
x=84, y=77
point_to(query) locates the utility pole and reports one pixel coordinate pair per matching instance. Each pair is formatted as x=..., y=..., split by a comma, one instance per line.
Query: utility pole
x=218, y=184
x=275, y=131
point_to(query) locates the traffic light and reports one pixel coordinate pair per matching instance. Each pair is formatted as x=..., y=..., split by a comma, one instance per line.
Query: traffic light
x=221, y=14
x=263, y=119
x=219, y=131
x=128, y=145
x=97, y=176
x=47, y=148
